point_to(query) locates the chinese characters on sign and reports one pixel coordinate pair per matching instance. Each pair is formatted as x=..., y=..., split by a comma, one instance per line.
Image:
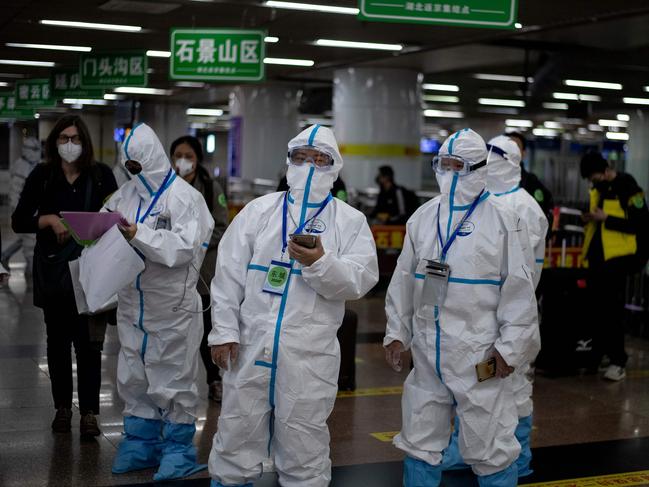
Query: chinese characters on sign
x=500, y=14
x=388, y=236
x=34, y=93
x=217, y=54
x=108, y=70
x=66, y=83
x=8, y=107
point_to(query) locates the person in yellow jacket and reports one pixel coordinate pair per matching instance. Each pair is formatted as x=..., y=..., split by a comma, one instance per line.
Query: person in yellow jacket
x=614, y=247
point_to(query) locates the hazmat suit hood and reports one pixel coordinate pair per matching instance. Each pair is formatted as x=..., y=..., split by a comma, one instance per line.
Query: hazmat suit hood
x=469, y=146
x=308, y=184
x=504, y=168
x=31, y=151
x=142, y=145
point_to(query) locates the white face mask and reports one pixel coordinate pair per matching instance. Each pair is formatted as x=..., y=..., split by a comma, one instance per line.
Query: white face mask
x=70, y=152
x=184, y=166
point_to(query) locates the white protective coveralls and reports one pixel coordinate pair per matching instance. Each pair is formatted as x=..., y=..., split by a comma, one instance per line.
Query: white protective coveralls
x=503, y=180
x=159, y=316
x=278, y=395
x=490, y=303
x=20, y=169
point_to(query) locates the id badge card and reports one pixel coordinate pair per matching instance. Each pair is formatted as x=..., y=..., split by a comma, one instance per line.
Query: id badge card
x=436, y=282
x=277, y=277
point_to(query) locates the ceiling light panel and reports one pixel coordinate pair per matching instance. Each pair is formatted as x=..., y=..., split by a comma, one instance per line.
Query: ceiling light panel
x=22, y=62
x=502, y=77
x=358, y=45
x=54, y=47
x=602, y=85
x=289, y=62
x=142, y=91
x=441, y=98
x=91, y=25
x=439, y=87
x=555, y=106
x=309, y=7
x=635, y=101
x=519, y=123
x=501, y=102
x=443, y=114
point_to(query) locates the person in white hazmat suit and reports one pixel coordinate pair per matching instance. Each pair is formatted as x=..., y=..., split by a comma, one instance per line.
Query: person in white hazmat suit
x=159, y=315
x=503, y=181
x=276, y=307
x=21, y=168
x=461, y=294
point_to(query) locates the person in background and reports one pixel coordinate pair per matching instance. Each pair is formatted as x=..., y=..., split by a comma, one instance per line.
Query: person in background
x=395, y=203
x=462, y=298
x=187, y=158
x=531, y=183
x=4, y=273
x=159, y=314
x=615, y=246
x=20, y=169
x=69, y=180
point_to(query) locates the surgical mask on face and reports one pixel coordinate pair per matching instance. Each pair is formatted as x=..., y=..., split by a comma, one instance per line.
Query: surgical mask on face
x=319, y=182
x=70, y=152
x=184, y=167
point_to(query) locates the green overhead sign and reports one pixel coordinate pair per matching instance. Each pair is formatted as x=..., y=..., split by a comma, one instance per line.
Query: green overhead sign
x=8, y=107
x=66, y=83
x=113, y=69
x=217, y=54
x=496, y=14
x=34, y=93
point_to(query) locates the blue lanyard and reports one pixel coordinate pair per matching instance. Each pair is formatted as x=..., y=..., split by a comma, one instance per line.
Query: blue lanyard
x=156, y=197
x=301, y=227
x=451, y=239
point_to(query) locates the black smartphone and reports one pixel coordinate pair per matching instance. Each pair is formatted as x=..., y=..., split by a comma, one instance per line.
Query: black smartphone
x=307, y=241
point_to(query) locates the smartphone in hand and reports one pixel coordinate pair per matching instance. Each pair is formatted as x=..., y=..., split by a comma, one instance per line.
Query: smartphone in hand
x=308, y=241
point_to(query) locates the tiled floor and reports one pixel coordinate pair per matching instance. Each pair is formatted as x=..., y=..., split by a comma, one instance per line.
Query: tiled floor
x=569, y=410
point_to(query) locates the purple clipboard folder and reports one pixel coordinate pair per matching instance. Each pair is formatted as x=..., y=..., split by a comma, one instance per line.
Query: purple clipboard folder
x=86, y=227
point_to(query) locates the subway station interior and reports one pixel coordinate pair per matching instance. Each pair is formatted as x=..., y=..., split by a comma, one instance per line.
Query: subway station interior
x=396, y=83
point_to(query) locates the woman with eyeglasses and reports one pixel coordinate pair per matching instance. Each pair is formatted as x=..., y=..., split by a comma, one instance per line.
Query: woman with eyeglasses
x=68, y=180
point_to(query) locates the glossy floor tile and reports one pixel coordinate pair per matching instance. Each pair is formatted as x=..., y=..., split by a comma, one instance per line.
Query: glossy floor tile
x=573, y=413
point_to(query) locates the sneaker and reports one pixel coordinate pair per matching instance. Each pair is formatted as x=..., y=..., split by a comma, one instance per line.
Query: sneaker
x=216, y=391
x=88, y=425
x=615, y=372
x=62, y=420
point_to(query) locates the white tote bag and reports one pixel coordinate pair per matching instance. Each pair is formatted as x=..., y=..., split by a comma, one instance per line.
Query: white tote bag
x=107, y=267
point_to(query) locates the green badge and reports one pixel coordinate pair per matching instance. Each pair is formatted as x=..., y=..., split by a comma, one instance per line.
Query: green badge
x=222, y=201
x=342, y=195
x=277, y=276
x=538, y=195
x=638, y=201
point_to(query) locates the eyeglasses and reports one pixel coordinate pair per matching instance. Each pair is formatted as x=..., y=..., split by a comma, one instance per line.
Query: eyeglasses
x=64, y=139
x=309, y=154
x=442, y=164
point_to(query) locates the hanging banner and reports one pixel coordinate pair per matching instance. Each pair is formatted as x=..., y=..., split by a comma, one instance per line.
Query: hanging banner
x=217, y=55
x=112, y=69
x=66, y=83
x=493, y=14
x=34, y=93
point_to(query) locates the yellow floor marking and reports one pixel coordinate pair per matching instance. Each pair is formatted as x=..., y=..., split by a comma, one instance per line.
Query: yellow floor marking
x=385, y=436
x=625, y=479
x=373, y=391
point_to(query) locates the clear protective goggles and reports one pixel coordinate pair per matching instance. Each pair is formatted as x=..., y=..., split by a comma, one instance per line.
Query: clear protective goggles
x=444, y=163
x=308, y=154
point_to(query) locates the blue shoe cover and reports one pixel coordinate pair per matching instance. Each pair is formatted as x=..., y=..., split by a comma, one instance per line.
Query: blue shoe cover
x=216, y=483
x=504, y=478
x=178, y=452
x=523, y=431
x=417, y=473
x=140, y=447
x=451, y=459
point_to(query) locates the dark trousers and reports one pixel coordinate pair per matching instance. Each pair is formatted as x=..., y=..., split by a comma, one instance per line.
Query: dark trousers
x=608, y=286
x=64, y=328
x=211, y=369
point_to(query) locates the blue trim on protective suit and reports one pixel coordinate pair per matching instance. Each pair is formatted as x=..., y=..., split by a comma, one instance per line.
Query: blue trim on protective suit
x=540, y=261
x=307, y=190
x=140, y=321
x=312, y=135
x=417, y=473
x=504, y=478
x=513, y=190
x=128, y=139
x=463, y=280
x=484, y=196
x=146, y=185
x=451, y=198
x=291, y=200
x=522, y=433
x=206, y=245
x=261, y=363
